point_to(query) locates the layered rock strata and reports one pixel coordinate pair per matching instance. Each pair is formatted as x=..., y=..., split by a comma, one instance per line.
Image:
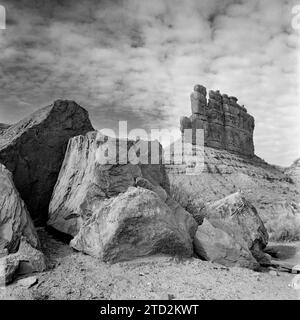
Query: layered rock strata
x=272, y=192
x=226, y=124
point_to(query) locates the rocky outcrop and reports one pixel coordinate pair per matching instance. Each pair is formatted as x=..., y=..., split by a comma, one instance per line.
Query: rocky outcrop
x=224, y=173
x=216, y=161
x=96, y=168
x=33, y=150
x=226, y=124
x=216, y=245
x=15, y=221
x=134, y=224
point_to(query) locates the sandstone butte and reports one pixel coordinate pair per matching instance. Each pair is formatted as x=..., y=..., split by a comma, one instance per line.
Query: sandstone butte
x=230, y=163
x=226, y=124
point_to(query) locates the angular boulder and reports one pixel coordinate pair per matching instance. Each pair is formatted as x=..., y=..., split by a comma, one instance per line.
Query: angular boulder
x=96, y=168
x=15, y=221
x=134, y=224
x=33, y=150
x=239, y=218
x=26, y=261
x=216, y=245
x=8, y=269
x=30, y=259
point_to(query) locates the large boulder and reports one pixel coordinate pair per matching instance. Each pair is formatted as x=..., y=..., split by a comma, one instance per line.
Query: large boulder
x=216, y=245
x=96, y=168
x=33, y=150
x=239, y=218
x=134, y=224
x=15, y=221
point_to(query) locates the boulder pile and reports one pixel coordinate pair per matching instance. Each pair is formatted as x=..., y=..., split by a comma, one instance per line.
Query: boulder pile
x=117, y=211
x=33, y=150
x=109, y=197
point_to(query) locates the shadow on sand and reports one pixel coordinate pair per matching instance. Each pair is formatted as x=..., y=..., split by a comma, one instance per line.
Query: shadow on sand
x=282, y=251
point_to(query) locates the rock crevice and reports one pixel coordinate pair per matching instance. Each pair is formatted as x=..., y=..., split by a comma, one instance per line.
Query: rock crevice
x=33, y=150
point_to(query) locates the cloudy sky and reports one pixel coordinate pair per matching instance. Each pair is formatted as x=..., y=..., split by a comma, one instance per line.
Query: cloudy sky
x=137, y=60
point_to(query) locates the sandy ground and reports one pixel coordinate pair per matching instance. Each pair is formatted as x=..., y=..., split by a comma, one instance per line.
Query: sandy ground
x=74, y=275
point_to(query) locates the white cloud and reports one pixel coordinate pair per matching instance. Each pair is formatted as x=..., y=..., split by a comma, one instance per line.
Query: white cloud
x=138, y=60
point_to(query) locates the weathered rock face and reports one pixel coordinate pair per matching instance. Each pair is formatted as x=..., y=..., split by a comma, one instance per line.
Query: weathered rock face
x=282, y=220
x=134, y=224
x=85, y=180
x=33, y=150
x=232, y=234
x=225, y=173
x=226, y=124
x=237, y=217
x=216, y=245
x=15, y=221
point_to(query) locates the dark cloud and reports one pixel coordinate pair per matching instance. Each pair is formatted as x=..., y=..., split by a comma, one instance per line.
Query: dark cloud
x=138, y=60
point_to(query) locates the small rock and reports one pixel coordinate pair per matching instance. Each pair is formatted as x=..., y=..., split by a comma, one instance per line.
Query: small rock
x=171, y=297
x=296, y=269
x=8, y=268
x=224, y=268
x=28, y=282
x=273, y=273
